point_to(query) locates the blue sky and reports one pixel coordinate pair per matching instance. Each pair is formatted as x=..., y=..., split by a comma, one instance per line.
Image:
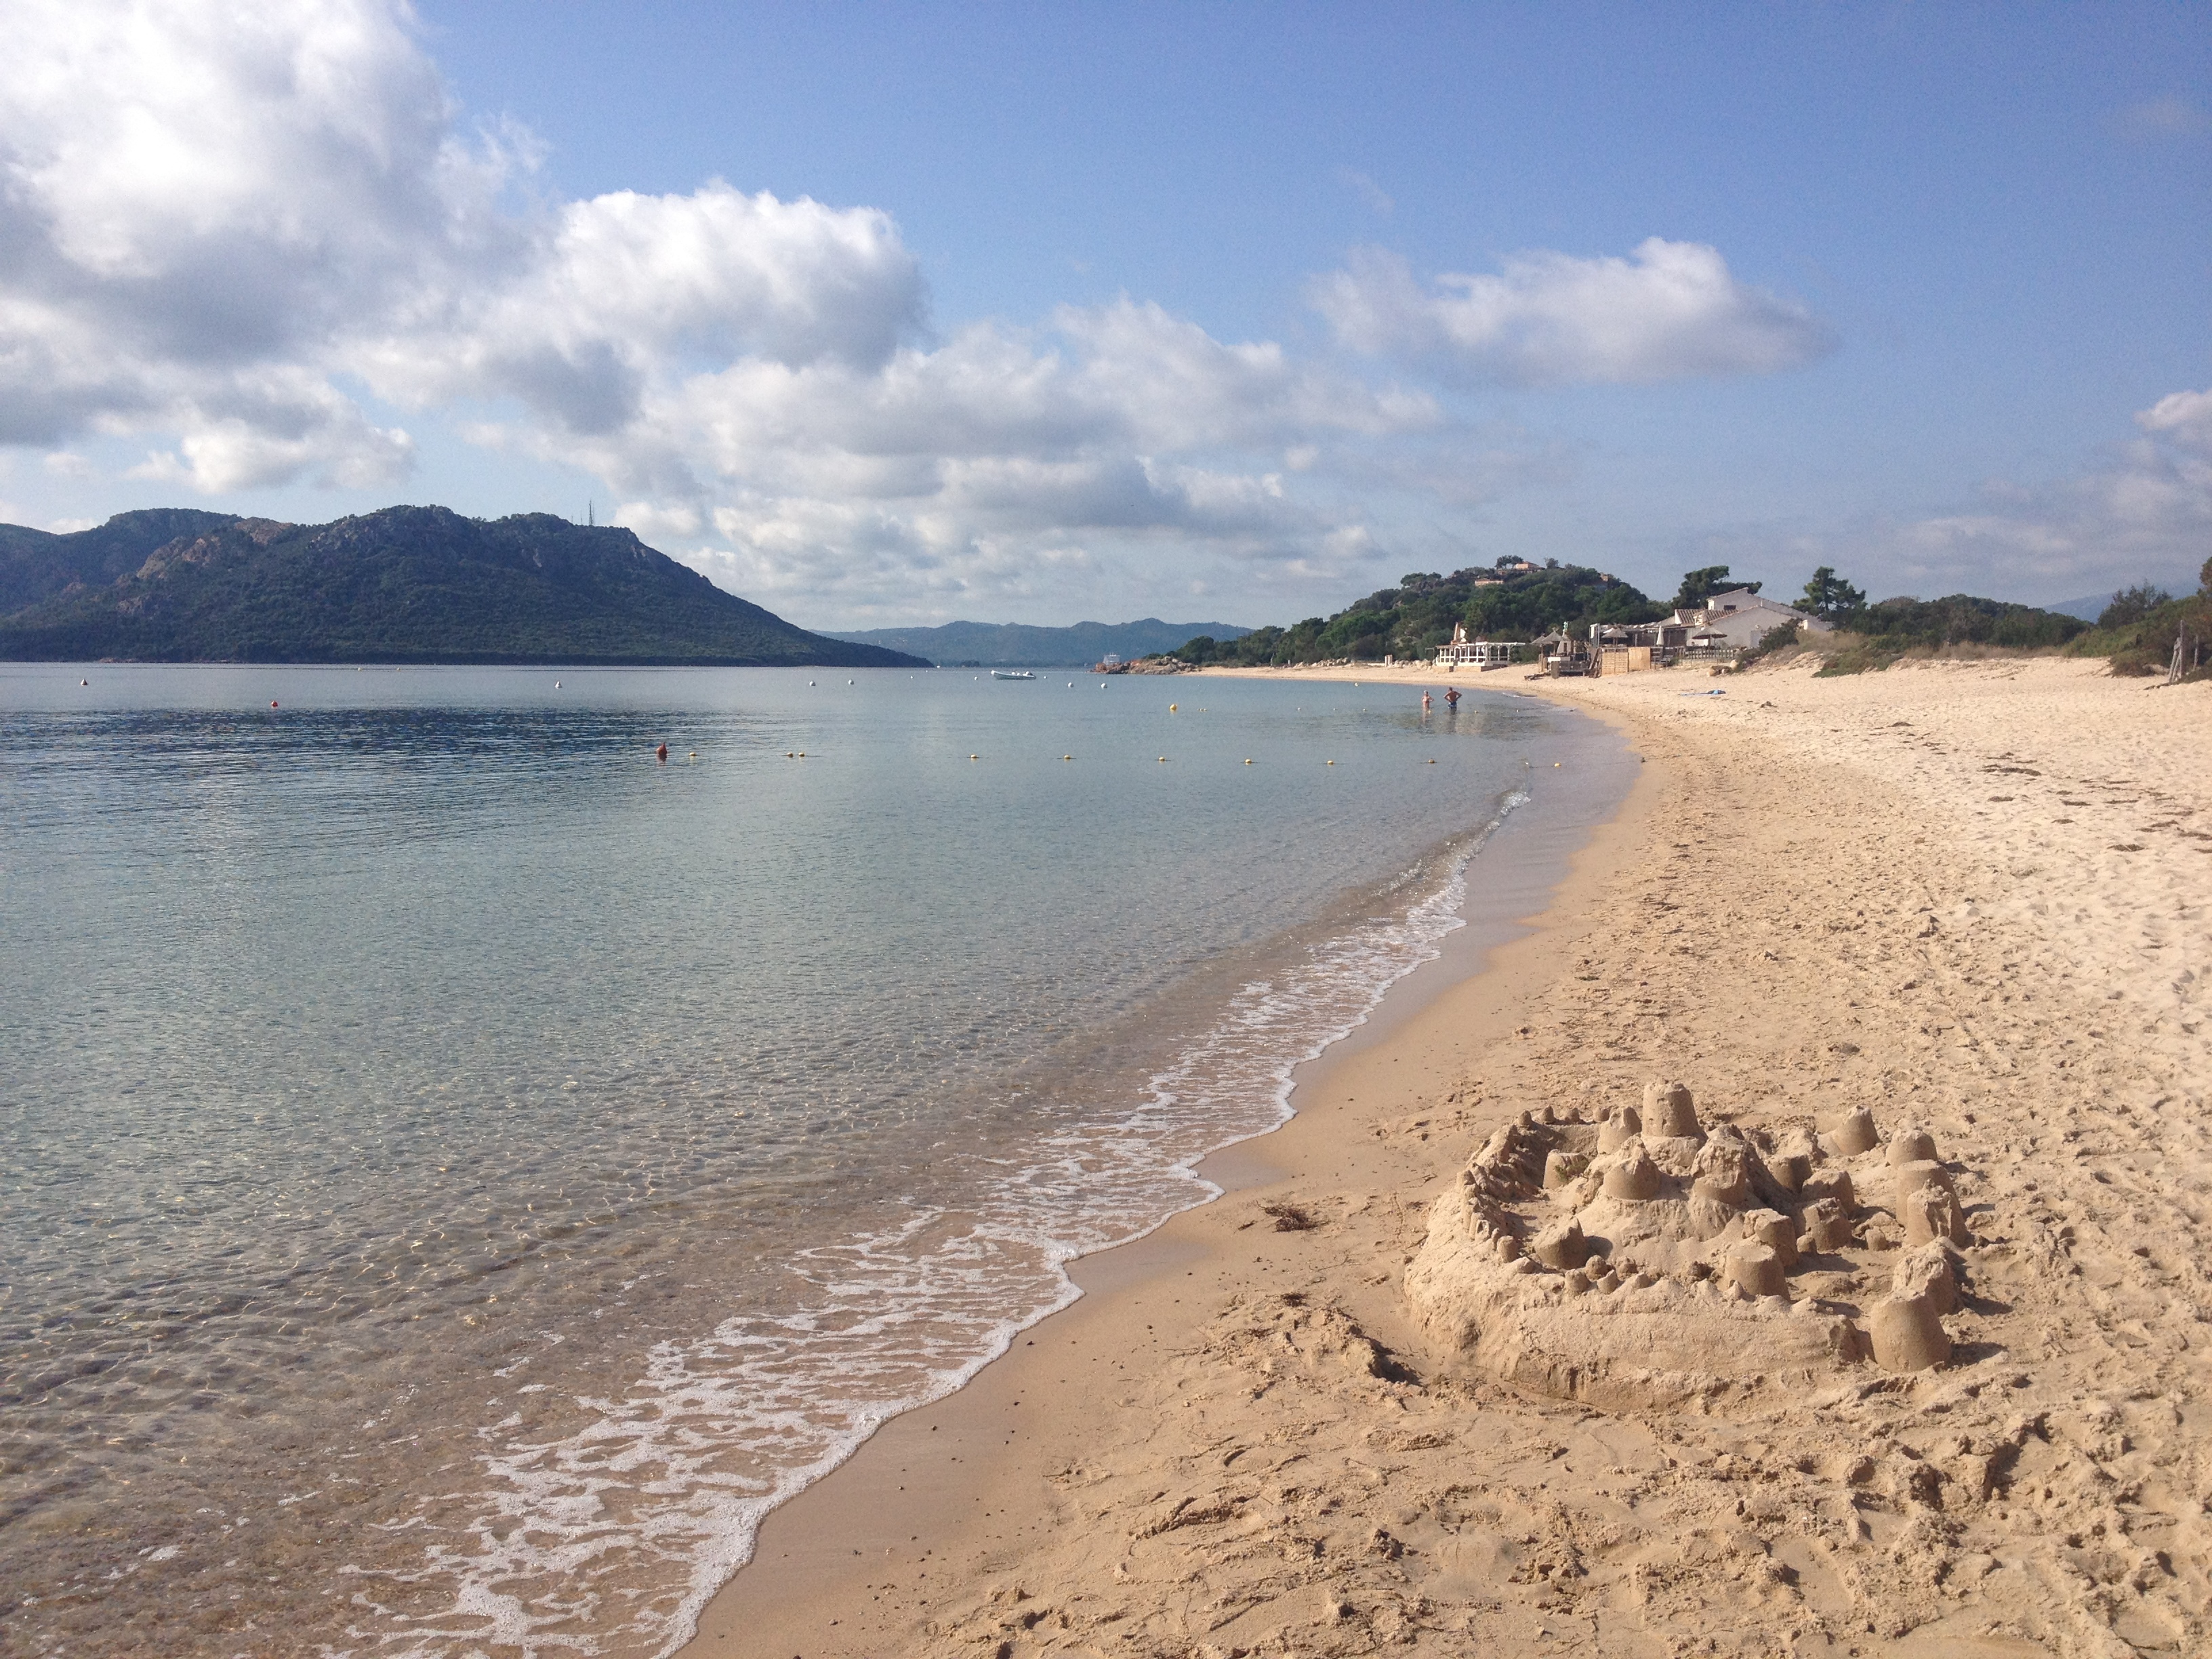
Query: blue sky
x=1027, y=314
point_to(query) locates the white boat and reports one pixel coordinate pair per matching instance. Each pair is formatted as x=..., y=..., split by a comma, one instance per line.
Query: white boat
x=1012, y=674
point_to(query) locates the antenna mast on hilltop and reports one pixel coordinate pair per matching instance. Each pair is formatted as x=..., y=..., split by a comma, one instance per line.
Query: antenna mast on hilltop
x=590, y=514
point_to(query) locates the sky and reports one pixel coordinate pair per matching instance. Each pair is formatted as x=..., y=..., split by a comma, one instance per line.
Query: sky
x=903, y=313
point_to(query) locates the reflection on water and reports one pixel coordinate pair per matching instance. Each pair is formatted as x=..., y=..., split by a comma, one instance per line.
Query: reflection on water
x=459, y=1170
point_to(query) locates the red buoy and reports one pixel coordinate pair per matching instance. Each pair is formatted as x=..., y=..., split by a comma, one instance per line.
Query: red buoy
x=272, y=703
x=661, y=753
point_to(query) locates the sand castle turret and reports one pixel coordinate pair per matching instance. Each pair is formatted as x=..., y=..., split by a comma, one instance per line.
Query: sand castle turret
x=1632, y=1176
x=1907, y=1334
x=1911, y=1147
x=1669, y=1111
x=1855, y=1134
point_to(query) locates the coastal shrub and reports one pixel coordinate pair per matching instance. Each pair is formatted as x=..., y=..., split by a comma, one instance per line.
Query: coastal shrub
x=1775, y=644
x=2133, y=605
x=1958, y=625
x=2144, y=646
x=1851, y=654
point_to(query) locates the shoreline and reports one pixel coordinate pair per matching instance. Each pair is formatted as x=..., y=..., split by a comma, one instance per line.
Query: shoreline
x=842, y=1567
x=1970, y=899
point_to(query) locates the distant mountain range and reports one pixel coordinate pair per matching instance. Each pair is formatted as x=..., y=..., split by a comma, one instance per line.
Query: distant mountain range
x=408, y=583
x=2087, y=610
x=1011, y=645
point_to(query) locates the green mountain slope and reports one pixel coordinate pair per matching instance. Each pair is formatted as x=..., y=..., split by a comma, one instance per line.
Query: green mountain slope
x=38, y=564
x=1014, y=645
x=1514, y=601
x=409, y=583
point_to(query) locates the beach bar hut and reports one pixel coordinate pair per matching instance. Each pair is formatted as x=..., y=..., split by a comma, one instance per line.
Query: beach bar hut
x=1481, y=654
x=1560, y=655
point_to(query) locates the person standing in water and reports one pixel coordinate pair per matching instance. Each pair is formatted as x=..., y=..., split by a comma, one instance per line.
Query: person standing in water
x=1426, y=703
x=1451, y=698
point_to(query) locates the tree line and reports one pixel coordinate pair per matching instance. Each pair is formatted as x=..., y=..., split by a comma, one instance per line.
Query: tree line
x=1514, y=600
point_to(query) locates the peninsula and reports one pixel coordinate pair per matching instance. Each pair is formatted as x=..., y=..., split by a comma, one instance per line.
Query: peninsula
x=407, y=584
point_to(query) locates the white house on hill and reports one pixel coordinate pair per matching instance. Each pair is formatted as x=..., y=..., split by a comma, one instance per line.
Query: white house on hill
x=1740, y=618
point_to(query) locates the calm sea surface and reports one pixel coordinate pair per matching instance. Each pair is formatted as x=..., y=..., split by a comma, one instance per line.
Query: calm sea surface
x=457, y=1172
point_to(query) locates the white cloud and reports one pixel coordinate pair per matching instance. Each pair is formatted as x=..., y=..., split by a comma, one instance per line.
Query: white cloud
x=618, y=289
x=1379, y=200
x=2184, y=418
x=212, y=210
x=254, y=240
x=220, y=225
x=2169, y=116
x=196, y=196
x=1672, y=312
x=2143, y=513
x=2147, y=512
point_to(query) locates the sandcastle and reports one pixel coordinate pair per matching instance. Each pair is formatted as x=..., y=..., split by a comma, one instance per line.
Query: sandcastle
x=1643, y=1259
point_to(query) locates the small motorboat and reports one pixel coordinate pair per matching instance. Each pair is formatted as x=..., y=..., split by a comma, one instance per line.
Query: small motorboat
x=1012, y=674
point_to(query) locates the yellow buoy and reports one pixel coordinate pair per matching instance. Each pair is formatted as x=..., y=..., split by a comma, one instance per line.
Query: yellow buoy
x=1067, y=757
x=974, y=757
x=1171, y=709
x=1247, y=760
x=1332, y=762
x=1163, y=757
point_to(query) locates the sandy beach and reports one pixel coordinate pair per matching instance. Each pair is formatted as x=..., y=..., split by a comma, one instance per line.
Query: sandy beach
x=1968, y=900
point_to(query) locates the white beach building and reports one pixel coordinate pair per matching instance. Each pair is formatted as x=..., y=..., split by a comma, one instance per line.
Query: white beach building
x=1739, y=619
x=1464, y=652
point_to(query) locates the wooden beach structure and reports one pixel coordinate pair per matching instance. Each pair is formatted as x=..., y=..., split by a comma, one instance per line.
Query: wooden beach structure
x=1481, y=655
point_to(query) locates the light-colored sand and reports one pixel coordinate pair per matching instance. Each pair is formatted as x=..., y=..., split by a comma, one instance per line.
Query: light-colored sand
x=1970, y=899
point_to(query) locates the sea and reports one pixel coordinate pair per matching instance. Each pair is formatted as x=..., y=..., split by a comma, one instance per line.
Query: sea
x=459, y=1170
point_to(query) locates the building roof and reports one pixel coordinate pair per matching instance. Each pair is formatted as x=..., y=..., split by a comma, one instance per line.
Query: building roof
x=1742, y=598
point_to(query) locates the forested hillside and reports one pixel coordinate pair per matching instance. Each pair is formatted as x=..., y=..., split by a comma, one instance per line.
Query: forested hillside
x=1511, y=600
x=409, y=583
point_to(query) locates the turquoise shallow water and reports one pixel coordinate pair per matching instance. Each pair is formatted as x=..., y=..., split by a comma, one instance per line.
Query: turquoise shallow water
x=459, y=1171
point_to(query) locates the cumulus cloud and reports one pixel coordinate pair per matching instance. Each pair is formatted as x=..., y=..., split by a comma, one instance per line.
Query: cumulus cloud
x=1113, y=431
x=252, y=232
x=195, y=199
x=1672, y=311
x=257, y=237
x=612, y=292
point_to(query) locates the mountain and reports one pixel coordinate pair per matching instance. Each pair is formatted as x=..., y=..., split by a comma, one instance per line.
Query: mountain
x=408, y=583
x=1011, y=645
x=35, y=564
x=2088, y=610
